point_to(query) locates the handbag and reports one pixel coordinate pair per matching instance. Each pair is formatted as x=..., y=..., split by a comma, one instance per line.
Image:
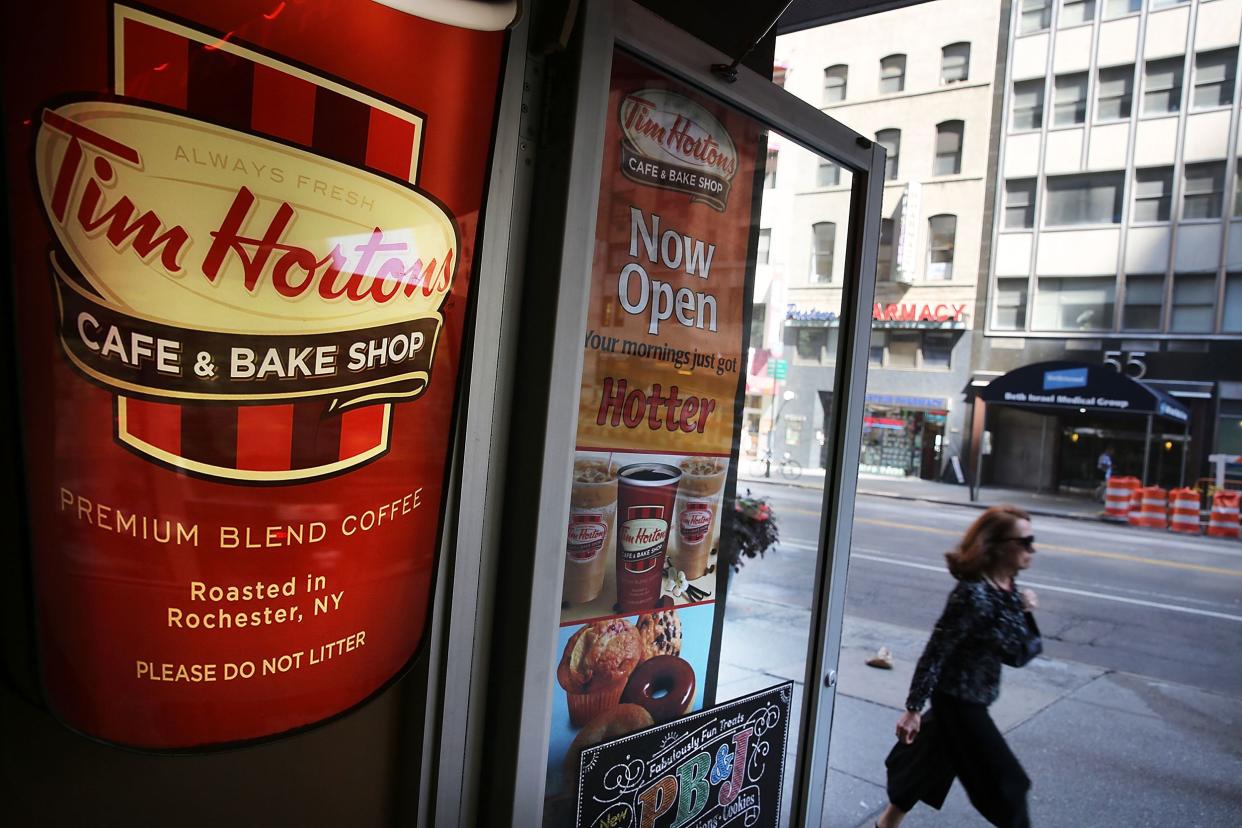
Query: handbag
x=1032, y=645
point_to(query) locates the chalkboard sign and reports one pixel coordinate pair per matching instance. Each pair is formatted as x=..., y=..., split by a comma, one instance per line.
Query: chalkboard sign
x=724, y=766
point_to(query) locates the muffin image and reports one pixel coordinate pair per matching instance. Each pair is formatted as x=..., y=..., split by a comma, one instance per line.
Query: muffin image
x=595, y=666
x=661, y=633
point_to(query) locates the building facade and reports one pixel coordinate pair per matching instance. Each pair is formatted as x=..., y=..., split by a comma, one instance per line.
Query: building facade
x=920, y=80
x=1116, y=233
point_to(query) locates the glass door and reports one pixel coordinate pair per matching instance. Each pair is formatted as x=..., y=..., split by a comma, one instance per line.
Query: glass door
x=715, y=287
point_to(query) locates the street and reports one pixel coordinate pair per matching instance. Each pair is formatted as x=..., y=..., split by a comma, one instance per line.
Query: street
x=1136, y=623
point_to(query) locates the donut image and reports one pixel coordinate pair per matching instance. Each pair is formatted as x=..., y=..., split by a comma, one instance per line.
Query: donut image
x=663, y=686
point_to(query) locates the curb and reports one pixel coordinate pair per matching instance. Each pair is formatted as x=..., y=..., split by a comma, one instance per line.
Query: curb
x=924, y=499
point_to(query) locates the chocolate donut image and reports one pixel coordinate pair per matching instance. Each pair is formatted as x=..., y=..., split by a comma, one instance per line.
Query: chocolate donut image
x=663, y=686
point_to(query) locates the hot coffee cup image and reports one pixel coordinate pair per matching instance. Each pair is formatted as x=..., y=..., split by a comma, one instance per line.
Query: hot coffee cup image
x=592, y=525
x=646, y=494
x=697, y=515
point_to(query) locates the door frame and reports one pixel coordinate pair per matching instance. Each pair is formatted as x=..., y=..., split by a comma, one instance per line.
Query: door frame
x=547, y=408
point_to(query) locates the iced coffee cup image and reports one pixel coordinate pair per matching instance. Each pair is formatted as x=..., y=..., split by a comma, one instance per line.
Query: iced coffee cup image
x=697, y=514
x=592, y=525
x=646, y=495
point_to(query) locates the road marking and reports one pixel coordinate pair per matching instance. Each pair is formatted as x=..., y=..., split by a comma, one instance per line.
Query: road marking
x=1051, y=588
x=1048, y=547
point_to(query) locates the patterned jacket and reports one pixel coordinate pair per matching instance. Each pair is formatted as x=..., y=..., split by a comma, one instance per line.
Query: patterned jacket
x=981, y=628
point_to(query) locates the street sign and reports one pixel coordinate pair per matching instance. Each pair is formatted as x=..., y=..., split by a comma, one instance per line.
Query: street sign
x=778, y=368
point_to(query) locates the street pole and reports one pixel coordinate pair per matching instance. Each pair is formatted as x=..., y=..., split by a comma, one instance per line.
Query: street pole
x=776, y=415
x=1147, y=450
x=1181, y=478
x=1043, y=451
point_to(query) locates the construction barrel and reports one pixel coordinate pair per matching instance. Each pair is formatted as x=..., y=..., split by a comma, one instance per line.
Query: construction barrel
x=1184, y=511
x=1117, y=497
x=1147, y=508
x=1223, y=520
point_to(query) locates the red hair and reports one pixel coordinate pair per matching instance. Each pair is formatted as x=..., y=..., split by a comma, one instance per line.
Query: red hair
x=980, y=548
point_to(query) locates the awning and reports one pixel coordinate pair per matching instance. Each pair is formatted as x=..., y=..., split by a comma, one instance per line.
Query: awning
x=1071, y=386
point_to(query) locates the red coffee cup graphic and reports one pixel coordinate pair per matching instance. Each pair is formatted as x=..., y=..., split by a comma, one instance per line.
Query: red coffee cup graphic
x=646, y=493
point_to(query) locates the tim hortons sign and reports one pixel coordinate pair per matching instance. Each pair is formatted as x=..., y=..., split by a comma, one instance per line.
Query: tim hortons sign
x=238, y=298
x=671, y=142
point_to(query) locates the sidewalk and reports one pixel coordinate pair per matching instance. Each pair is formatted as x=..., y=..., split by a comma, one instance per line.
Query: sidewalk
x=1102, y=748
x=930, y=491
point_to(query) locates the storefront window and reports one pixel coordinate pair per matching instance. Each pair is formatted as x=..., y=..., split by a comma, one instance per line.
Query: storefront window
x=793, y=430
x=903, y=349
x=758, y=320
x=811, y=343
x=937, y=349
x=879, y=341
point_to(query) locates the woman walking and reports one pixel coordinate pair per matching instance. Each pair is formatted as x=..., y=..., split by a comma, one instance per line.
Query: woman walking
x=986, y=622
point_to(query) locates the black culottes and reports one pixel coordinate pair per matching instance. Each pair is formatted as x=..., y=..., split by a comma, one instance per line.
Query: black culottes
x=959, y=739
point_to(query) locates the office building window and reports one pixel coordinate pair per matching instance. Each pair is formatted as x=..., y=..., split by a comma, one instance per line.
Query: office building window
x=884, y=260
x=1203, y=190
x=955, y=63
x=1094, y=198
x=1162, y=86
x=1194, y=303
x=1144, y=300
x=835, y=78
x=1164, y=4
x=1153, y=194
x=937, y=349
x=1028, y=104
x=1069, y=99
x=892, y=74
x=903, y=349
x=769, y=171
x=1036, y=16
x=827, y=174
x=1010, y=305
x=1117, y=8
x=823, y=242
x=890, y=139
x=765, y=246
x=942, y=232
x=1232, y=321
x=1020, y=203
x=1076, y=303
x=1114, y=93
x=1074, y=12
x=948, y=148
x=1214, y=73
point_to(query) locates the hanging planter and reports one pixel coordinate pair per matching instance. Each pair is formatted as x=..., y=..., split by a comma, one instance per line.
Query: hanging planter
x=751, y=529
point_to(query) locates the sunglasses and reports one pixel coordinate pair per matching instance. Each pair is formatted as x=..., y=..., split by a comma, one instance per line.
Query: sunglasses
x=1027, y=541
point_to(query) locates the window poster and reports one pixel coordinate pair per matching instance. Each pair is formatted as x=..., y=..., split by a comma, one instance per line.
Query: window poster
x=663, y=351
x=241, y=258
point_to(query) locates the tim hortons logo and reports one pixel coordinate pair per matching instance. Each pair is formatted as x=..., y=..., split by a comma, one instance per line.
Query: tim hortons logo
x=671, y=142
x=196, y=262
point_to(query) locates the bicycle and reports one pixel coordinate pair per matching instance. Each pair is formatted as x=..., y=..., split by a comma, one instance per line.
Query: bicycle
x=787, y=467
